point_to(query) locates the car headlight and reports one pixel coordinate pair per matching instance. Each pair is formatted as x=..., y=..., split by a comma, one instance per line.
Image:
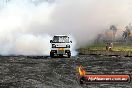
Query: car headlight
x=53, y=45
x=67, y=46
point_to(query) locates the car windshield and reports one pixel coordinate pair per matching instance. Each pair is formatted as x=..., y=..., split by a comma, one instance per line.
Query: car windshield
x=61, y=39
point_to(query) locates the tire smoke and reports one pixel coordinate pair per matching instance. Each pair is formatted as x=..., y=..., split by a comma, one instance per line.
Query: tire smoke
x=26, y=26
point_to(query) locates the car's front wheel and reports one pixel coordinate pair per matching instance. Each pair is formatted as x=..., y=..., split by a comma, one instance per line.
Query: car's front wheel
x=69, y=55
x=51, y=54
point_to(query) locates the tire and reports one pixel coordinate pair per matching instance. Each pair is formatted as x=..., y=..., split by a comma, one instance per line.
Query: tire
x=51, y=54
x=69, y=55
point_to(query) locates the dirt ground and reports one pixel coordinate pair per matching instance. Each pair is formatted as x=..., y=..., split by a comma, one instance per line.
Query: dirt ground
x=46, y=72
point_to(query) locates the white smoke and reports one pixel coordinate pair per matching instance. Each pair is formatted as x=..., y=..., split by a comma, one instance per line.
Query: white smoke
x=73, y=46
x=18, y=18
x=26, y=26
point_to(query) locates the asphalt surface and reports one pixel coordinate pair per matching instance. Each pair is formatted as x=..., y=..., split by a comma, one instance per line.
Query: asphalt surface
x=46, y=72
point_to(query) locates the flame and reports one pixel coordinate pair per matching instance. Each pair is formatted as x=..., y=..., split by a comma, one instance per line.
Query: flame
x=81, y=71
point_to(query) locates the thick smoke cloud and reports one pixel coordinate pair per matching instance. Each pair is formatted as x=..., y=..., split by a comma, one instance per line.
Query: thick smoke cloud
x=26, y=26
x=86, y=18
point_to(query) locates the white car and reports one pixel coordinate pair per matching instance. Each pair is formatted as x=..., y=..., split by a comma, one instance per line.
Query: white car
x=60, y=46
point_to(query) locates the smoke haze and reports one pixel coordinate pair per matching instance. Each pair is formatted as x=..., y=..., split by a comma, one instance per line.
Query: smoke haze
x=26, y=26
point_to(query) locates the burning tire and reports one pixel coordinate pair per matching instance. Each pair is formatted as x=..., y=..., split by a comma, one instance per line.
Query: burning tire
x=81, y=75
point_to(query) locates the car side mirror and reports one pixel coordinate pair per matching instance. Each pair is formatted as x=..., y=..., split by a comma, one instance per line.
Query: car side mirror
x=70, y=41
x=51, y=41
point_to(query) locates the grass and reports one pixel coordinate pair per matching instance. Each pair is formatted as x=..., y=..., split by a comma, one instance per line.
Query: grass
x=116, y=47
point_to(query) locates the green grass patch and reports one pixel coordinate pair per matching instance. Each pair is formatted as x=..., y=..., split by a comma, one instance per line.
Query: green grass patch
x=116, y=47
